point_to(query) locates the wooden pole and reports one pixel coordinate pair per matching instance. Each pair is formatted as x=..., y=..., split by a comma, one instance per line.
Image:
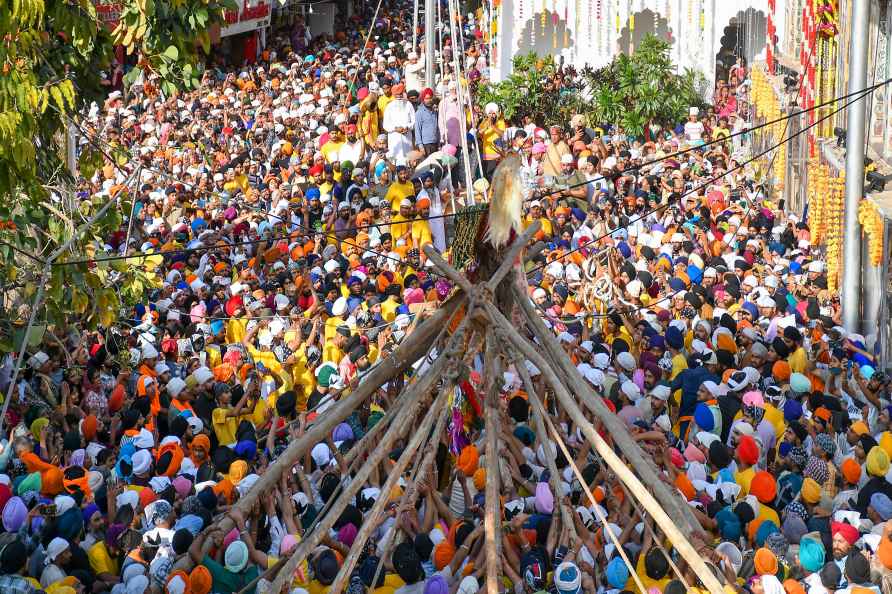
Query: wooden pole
x=539, y=417
x=438, y=408
x=492, y=516
x=537, y=403
x=405, y=354
x=450, y=272
x=614, y=425
x=422, y=385
x=416, y=390
x=422, y=470
x=512, y=254
x=346, y=496
x=622, y=471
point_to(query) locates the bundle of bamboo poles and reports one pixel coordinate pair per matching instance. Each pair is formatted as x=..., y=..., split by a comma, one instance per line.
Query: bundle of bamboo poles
x=421, y=417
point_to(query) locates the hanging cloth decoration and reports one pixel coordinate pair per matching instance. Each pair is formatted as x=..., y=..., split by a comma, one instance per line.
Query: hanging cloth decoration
x=567, y=23
x=617, y=17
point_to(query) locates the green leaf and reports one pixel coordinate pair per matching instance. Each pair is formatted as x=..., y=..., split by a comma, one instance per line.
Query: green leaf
x=132, y=75
x=172, y=53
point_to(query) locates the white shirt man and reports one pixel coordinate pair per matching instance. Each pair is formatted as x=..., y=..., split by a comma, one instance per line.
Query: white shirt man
x=399, y=121
x=414, y=72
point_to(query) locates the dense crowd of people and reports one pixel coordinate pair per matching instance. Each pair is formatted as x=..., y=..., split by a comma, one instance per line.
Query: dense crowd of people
x=286, y=205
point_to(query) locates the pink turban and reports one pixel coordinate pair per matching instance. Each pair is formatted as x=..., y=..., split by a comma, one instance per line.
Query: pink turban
x=197, y=313
x=544, y=499
x=753, y=398
x=347, y=534
x=182, y=486
x=288, y=543
x=230, y=538
x=693, y=454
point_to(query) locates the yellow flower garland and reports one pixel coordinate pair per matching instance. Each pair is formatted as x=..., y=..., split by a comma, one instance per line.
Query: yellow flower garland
x=872, y=222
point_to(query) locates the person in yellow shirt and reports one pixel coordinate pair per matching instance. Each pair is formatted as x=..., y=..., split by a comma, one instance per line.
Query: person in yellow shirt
x=385, y=98
x=390, y=305
x=798, y=359
x=302, y=361
x=332, y=148
x=421, y=230
x=267, y=358
x=400, y=189
x=102, y=563
x=491, y=130
x=236, y=325
x=746, y=454
x=652, y=568
x=338, y=310
x=536, y=214
x=236, y=180
x=333, y=351
x=368, y=118
x=400, y=227
x=721, y=131
x=223, y=418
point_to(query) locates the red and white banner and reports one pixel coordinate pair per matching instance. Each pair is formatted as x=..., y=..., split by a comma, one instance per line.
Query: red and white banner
x=250, y=16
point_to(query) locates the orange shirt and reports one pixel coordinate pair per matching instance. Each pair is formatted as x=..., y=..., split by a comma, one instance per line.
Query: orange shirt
x=51, y=477
x=147, y=372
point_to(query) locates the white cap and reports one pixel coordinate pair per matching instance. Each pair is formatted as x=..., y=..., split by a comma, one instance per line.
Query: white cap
x=56, y=547
x=661, y=392
x=202, y=375
x=175, y=386
x=339, y=307
x=149, y=351
x=38, y=360
x=142, y=461
x=195, y=423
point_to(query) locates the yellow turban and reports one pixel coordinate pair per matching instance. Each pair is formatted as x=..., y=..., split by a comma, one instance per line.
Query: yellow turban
x=886, y=442
x=38, y=425
x=877, y=461
x=811, y=491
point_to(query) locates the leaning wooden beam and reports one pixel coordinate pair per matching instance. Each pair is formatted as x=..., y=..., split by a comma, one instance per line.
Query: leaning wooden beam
x=330, y=514
x=512, y=254
x=369, y=441
x=541, y=427
x=444, y=267
x=421, y=471
x=492, y=506
x=421, y=386
x=422, y=433
x=333, y=509
x=614, y=425
x=539, y=417
x=678, y=539
x=409, y=351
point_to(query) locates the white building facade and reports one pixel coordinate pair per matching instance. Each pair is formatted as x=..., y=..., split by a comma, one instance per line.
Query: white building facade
x=593, y=32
